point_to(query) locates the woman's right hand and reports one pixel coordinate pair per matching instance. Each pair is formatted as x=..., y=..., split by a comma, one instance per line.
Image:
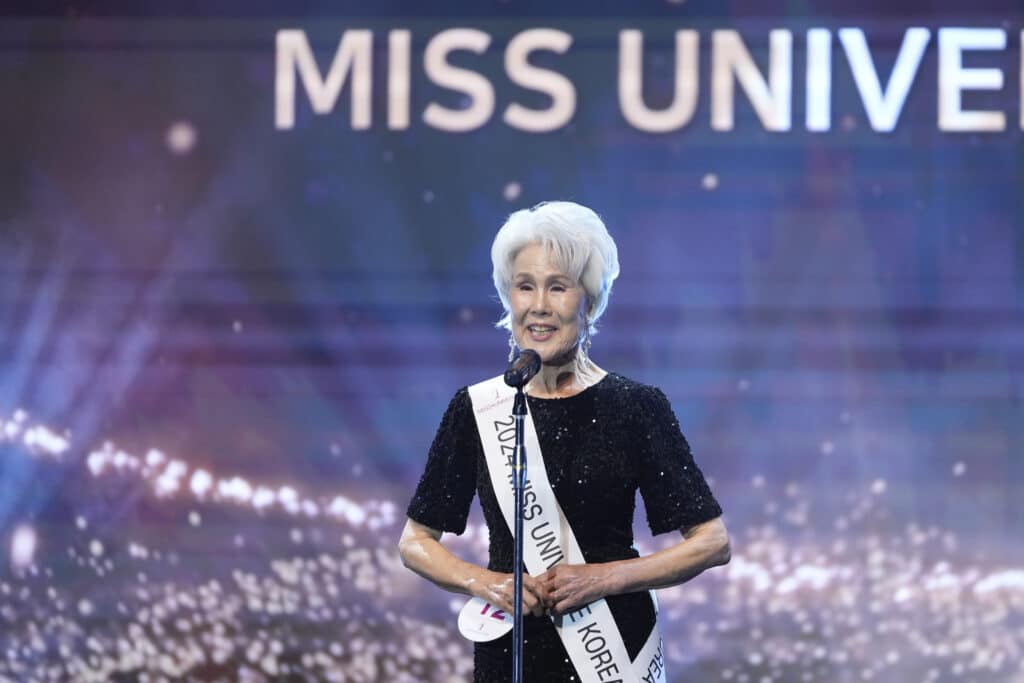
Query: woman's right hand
x=422, y=552
x=497, y=589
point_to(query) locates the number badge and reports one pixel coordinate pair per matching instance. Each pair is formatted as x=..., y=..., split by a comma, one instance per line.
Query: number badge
x=481, y=621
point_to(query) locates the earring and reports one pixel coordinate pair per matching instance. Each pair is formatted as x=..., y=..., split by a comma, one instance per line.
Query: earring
x=511, y=347
x=585, y=343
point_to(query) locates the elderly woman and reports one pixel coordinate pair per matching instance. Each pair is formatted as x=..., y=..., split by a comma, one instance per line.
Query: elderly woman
x=601, y=437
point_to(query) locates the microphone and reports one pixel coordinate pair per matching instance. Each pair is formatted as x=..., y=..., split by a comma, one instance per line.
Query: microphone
x=523, y=368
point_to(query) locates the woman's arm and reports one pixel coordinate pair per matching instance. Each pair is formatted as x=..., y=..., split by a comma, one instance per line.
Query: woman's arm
x=573, y=585
x=421, y=551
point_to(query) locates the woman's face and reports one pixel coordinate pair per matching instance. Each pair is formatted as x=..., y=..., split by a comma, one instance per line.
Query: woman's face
x=547, y=306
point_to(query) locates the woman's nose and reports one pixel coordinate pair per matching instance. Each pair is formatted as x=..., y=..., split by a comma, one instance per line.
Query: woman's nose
x=539, y=305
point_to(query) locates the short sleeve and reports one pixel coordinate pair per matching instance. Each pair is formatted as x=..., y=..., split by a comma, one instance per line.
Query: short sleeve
x=446, y=489
x=674, y=490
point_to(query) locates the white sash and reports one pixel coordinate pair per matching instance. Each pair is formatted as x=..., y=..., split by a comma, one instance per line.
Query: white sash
x=590, y=635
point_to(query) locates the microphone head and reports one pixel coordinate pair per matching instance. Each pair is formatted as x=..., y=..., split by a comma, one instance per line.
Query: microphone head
x=523, y=368
x=531, y=362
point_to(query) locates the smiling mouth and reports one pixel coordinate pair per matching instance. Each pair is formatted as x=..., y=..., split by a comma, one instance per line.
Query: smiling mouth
x=540, y=329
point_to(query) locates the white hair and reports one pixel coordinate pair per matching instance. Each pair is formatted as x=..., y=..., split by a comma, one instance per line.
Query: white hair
x=578, y=242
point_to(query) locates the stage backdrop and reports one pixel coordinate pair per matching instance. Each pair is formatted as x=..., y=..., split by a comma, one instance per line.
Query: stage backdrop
x=245, y=265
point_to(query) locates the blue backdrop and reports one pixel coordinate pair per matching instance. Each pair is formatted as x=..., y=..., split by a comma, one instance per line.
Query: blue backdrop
x=225, y=347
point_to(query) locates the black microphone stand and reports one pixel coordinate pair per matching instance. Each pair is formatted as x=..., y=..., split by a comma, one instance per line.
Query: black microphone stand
x=518, y=483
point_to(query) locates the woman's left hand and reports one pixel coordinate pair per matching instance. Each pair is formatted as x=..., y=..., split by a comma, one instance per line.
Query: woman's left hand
x=573, y=585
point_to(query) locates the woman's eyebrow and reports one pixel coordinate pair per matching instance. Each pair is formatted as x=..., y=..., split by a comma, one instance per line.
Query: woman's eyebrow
x=555, y=277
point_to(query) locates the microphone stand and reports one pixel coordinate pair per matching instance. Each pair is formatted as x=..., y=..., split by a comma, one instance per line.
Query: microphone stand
x=518, y=483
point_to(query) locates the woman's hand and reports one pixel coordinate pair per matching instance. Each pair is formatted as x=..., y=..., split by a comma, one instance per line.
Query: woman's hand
x=422, y=552
x=569, y=586
x=497, y=589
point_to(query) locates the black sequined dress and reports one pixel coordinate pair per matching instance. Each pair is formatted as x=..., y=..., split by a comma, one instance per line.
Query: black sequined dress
x=599, y=447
